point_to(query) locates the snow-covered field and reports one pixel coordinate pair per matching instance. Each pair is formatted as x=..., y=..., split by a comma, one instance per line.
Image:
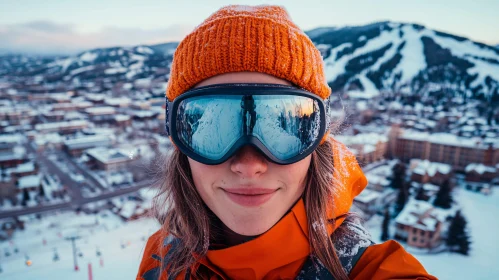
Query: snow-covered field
x=121, y=245
x=481, y=213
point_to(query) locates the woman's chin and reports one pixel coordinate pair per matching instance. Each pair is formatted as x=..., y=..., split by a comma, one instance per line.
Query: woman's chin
x=251, y=229
x=250, y=225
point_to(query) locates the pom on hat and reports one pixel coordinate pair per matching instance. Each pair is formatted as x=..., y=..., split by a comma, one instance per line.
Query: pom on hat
x=247, y=38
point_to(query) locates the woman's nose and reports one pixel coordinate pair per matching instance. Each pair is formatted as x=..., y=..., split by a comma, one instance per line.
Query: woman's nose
x=248, y=162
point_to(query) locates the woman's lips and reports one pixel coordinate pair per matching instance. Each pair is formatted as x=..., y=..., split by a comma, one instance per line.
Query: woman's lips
x=250, y=197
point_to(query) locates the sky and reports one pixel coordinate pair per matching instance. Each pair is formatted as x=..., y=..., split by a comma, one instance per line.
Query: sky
x=63, y=26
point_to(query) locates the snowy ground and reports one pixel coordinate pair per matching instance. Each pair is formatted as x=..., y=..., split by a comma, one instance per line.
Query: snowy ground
x=481, y=213
x=121, y=245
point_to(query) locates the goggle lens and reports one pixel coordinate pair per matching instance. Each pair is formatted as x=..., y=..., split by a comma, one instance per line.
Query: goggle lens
x=287, y=125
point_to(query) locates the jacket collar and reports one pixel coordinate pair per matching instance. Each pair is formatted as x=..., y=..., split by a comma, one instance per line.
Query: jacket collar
x=284, y=244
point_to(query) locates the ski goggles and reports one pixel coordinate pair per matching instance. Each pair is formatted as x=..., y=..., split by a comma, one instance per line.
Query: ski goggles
x=211, y=123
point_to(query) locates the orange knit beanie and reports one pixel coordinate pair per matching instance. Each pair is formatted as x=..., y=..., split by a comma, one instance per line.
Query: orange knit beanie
x=247, y=38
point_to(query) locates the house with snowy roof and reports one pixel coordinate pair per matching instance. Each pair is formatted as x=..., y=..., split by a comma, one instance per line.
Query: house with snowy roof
x=446, y=148
x=106, y=159
x=17, y=114
x=118, y=102
x=95, y=98
x=43, y=141
x=367, y=202
x=367, y=147
x=65, y=127
x=76, y=146
x=141, y=105
x=420, y=224
x=101, y=114
x=477, y=172
x=30, y=183
x=24, y=169
x=131, y=210
x=64, y=107
x=123, y=121
x=7, y=186
x=377, y=182
x=144, y=115
x=54, y=116
x=370, y=201
x=13, y=158
x=7, y=147
x=424, y=171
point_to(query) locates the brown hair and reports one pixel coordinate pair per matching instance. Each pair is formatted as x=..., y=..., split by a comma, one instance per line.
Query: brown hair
x=182, y=213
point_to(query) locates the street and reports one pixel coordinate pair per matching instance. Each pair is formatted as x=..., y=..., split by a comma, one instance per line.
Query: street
x=74, y=188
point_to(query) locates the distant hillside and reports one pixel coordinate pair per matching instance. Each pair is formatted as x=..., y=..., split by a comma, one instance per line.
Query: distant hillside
x=360, y=60
x=405, y=57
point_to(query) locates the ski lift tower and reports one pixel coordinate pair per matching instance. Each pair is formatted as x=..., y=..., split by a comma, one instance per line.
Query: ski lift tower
x=73, y=236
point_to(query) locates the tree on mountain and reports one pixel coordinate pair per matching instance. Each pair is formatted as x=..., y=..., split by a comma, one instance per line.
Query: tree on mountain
x=42, y=192
x=444, y=198
x=402, y=198
x=457, y=238
x=490, y=115
x=398, y=177
x=385, y=234
x=26, y=197
x=420, y=194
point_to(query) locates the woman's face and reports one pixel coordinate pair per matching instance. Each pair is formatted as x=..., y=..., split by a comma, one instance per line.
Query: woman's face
x=248, y=193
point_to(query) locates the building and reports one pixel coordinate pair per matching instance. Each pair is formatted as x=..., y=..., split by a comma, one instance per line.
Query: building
x=66, y=127
x=76, y=146
x=131, y=210
x=108, y=159
x=55, y=116
x=477, y=172
x=144, y=115
x=24, y=169
x=443, y=147
x=30, y=183
x=376, y=182
x=429, y=190
x=419, y=224
x=95, y=98
x=64, y=107
x=118, y=102
x=14, y=158
x=424, y=171
x=122, y=120
x=17, y=114
x=101, y=114
x=7, y=186
x=367, y=202
x=367, y=147
x=141, y=105
x=43, y=141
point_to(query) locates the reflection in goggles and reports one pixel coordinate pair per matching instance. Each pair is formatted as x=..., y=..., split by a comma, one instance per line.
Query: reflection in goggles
x=286, y=124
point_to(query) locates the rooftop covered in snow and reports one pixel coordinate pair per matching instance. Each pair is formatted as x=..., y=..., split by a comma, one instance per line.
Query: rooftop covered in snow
x=449, y=139
x=423, y=167
x=107, y=156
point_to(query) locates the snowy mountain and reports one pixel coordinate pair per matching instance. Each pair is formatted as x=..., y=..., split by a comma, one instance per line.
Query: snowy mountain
x=116, y=64
x=360, y=60
x=406, y=58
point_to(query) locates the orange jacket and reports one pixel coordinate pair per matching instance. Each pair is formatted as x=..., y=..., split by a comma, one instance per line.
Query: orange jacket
x=283, y=251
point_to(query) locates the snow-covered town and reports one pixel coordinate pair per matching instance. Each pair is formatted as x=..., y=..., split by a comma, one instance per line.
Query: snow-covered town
x=82, y=135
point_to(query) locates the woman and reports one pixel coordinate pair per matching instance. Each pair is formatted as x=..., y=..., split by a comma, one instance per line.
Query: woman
x=265, y=198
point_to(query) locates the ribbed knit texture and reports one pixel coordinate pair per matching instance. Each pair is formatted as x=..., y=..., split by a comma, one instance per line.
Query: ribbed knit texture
x=246, y=38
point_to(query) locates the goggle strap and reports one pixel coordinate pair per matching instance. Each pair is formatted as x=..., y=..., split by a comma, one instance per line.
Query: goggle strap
x=167, y=118
x=173, y=143
x=325, y=137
